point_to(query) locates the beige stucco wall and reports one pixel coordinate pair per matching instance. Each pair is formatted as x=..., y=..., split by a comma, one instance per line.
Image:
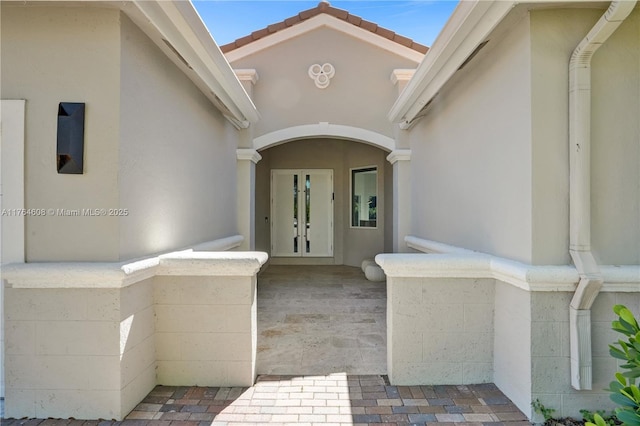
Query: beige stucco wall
x=615, y=178
x=137, y=344
x=493, y=148
x=95, y=353
x=69, y=54
x=512, y=343
x=87, y=353
x=440, y=330
x=62, y=353
x=471, y=154
x=206, y=330
x=351, y=245
x=155, y=147
x=615, y=135
x=177, y=156
x=550, y=362
x=286, y=96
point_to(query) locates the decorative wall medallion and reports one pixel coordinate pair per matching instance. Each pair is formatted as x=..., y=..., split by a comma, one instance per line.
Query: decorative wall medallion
x=322, y=74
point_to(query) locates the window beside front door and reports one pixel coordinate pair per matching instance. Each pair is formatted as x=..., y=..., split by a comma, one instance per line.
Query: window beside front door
x=364, y=197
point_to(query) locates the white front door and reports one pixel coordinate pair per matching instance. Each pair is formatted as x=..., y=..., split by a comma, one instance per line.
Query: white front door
x=302, y=213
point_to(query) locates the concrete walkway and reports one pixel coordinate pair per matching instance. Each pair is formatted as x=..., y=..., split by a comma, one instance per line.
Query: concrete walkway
x=320, y=320
x=336, y=399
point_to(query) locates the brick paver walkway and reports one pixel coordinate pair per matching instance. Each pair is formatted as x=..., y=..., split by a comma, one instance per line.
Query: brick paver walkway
x=338, y=399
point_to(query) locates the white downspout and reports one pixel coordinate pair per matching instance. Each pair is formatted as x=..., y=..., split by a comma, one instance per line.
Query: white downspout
x=580, y=190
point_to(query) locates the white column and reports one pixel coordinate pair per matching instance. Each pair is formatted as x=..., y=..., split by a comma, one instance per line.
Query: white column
x=246, y=187
x=401, y=161
x=246, y=170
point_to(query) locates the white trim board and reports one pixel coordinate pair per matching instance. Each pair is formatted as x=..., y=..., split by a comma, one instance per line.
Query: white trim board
x=324, y=130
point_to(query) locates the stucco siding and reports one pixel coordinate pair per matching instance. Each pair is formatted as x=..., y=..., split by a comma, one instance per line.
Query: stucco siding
x=615, y=178
x=440, y=330
x=471, y=154
x=177, y=174
x=286, y=96
x=69, y=54
x=512, y=344
x=554, y=36
x=550, y=369
x=615, y=128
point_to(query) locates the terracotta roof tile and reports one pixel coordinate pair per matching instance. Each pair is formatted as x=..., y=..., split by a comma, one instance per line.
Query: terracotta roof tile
x=338, y=13
x=325, y=7
x=419, y=47
x=368, y=25
x=260, y=33
x=292, y=21
x=385, y=33
x=277, y=27
x=353, y=19
x=244, y=40
x=309, y=13
x=405, y=41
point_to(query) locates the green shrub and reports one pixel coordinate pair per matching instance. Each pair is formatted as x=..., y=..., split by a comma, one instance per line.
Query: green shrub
x=624, y=391
x=547, y=413
x=608, y=418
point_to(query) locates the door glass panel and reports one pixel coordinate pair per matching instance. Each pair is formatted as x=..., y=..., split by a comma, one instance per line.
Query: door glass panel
x=295, y=213
x=308, y=212
x=364, y=197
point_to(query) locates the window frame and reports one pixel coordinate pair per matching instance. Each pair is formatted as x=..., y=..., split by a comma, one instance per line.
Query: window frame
x=352, y=172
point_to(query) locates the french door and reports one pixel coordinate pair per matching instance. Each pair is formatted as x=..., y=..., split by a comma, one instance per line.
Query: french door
x=302, y=213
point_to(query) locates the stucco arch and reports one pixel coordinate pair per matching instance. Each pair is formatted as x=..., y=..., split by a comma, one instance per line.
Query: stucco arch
x=322, y=130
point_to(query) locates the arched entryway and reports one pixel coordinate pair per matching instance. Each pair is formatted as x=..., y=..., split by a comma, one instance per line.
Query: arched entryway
x=357, y=181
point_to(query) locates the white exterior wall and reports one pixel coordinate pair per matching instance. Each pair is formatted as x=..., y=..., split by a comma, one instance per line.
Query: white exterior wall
x=177, y=174
x=471, y=154
x=66, y=54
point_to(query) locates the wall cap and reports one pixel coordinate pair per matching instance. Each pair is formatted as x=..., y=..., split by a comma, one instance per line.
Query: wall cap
x=441, y=260
x=197, y=260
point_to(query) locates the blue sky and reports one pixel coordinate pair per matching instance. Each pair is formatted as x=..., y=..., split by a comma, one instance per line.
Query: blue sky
x=420, y=20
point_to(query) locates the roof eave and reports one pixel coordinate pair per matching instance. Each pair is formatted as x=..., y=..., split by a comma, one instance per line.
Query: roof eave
x=323, y=21
x=468, y=26
x=182, y=35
